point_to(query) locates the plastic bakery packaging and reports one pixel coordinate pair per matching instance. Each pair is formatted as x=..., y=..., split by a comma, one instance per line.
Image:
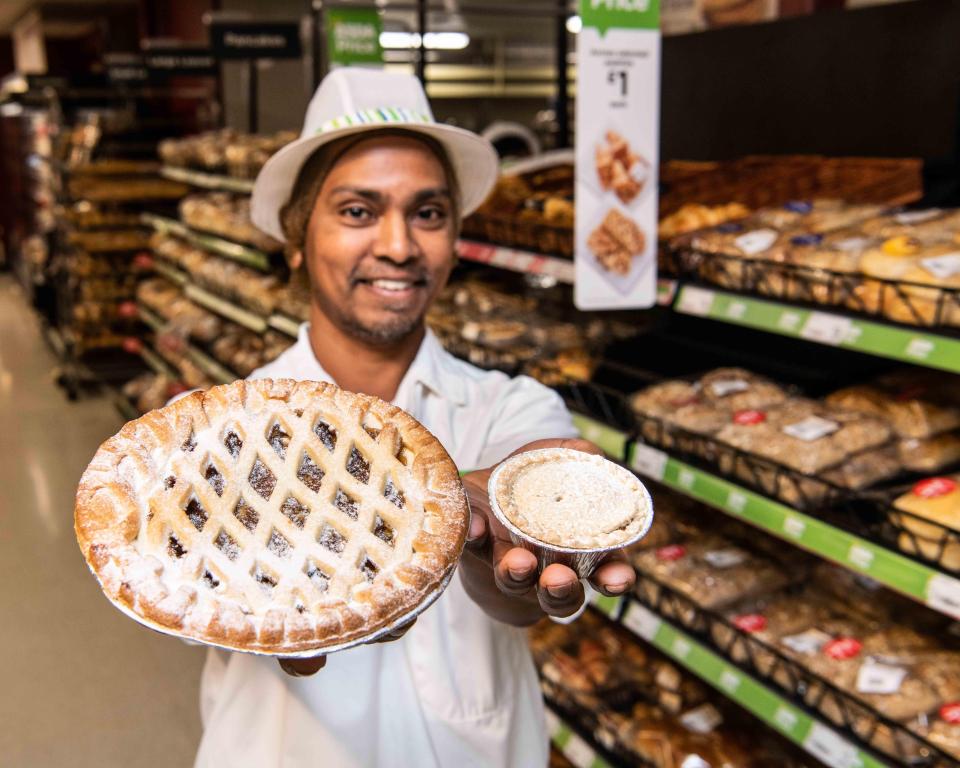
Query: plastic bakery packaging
x=569, y=507
x=928, y=518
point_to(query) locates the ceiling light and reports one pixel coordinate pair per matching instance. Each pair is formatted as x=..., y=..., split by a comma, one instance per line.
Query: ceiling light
x=436, y=41
x=574, y=25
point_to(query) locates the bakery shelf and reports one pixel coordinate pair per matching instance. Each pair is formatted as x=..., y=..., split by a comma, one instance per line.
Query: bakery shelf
x=515, y=260
x=211, y=367
x=940, y=591
x=172, y=274
x=249, y=320
x=655, y=612
x=242, y=254
x=903, y=343
x=284, y=324
x=207, y=180
x=157, y=364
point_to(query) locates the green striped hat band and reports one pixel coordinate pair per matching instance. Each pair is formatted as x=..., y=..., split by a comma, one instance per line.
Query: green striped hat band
x=379, y=116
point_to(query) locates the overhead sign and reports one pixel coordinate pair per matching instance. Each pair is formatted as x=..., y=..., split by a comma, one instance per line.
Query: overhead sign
x=177, y=60
x=617, y=154
x=126, y=68
x=255, y=39
x=353, y=36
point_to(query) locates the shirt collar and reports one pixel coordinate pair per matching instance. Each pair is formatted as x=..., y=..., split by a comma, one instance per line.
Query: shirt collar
x=433, y=367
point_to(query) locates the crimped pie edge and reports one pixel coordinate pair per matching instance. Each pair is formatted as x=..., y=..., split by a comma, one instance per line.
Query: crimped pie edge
x=107, y=521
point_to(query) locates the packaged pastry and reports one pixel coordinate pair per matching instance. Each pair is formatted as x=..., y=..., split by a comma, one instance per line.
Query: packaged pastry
x=931, y=454
x=866, y=468
x=711, y=572
x=692, y=216
x=922, y=224
x=936, y=499
x=942, y=727
x=736, y=389
x=804, y=435
x=225, y=215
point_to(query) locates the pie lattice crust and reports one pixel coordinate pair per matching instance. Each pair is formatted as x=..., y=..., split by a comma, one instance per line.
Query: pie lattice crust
x=272, y=516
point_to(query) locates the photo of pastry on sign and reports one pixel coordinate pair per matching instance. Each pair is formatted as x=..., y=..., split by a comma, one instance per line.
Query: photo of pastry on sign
x=616, y=242
x=619, y=168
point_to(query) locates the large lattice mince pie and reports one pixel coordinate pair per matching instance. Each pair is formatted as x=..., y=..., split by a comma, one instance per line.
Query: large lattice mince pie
x=272, y=516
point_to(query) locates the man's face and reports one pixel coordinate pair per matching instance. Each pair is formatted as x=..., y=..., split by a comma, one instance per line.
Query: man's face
x=381, y=239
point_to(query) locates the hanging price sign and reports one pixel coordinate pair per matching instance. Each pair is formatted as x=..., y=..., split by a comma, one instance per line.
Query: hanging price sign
x=618, y=118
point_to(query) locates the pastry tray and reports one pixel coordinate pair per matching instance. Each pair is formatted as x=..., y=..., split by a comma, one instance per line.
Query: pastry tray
x=513, y=232
x=917, y=304
x=876, y=731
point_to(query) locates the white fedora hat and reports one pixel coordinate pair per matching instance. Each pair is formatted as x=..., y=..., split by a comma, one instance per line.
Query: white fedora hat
x=353, y=100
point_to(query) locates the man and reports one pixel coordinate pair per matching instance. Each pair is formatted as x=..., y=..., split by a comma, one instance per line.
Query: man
x=369, y=201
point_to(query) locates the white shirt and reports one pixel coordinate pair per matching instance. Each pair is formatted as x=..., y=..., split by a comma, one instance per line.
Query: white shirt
x=459, y=689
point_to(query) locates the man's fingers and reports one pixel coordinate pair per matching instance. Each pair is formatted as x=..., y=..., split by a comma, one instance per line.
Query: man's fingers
x=397, y=633
x=614, y=577
x=515, y=568
x=559, y=591
x=303, y=667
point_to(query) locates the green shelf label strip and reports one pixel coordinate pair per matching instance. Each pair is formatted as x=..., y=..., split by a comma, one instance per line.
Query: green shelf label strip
x=575, y=749
x=284, y=324
x=227, y=309
x=820, y=741
x=612, y=441
x=172, y=274
x=207, y=180
x=908, y=345
x=526, y=262
x=242, y=254
x=209, y=366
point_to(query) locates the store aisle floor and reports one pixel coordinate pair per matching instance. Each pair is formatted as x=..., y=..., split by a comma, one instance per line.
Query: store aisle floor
x=80, y=684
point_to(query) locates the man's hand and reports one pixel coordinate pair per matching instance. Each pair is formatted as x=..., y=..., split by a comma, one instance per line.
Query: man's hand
x=503, y=578
x=307, y=667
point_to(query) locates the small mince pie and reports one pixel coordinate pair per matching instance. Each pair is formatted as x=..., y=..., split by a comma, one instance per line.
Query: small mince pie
x=277, y=517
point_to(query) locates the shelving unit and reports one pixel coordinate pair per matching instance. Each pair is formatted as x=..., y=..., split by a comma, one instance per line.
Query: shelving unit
x=242, y=254
x=210, y=181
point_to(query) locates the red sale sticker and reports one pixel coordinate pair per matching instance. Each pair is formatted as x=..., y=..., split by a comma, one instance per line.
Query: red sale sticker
x=750, y=622
x=127, y=309
x=671, y=553
x=843, y=648
x=950, y=713
x=132, y=345
x=934, y=487
x=749, y=417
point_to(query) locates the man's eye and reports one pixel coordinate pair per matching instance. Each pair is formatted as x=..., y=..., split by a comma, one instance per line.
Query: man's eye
x=356, y=212
x=431, y=214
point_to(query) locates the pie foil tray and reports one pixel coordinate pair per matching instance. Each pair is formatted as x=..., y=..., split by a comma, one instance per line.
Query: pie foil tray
x=310, y=653
x=582, y=561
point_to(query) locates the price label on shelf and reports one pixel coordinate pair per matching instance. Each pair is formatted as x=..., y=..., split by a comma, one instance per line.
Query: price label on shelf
x=579, y=752
x=695, y=301
x=794, y=527
x=649, y=462
x=641, y=621
x=943, y=594
x=617, y=150
x=825, y=745
x=827, y=329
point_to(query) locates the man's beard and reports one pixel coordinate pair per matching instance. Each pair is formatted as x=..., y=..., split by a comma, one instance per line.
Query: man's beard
x=384, y=333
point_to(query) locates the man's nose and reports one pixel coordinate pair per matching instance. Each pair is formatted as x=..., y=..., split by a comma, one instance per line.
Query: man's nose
x=395, y=239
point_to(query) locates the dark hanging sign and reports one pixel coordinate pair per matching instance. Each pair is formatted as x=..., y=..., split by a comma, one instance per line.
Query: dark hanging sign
x=255, y=40
x=179, y=61
x=126, y=68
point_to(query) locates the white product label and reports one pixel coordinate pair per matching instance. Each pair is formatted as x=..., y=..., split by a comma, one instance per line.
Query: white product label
x=920, y=348
x=811, y=428
x=915, y=217
x=736, y=310
x=641, y=621
x=827, y=329
x=724, y=387
x=789, y=321
x=725, y=558
x=686, y=478
x=828, y=747
x=736, y=501
x=794, y=526
x=860, y=556
x=695, y=301
x=942, y=267
x=681, y=648
x=579, y=752
x=757, y=241
x=649, y=461
x=730, y=680
x=807, y=643
x=943, y=594
x=852, y=244
x=785, y=718
x=703, y=719
x=876, y=677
